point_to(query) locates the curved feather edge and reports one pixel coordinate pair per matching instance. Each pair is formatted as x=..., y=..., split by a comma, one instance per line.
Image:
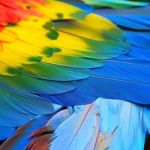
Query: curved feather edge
x=40, y=139
x=74, y=128
x=119, y=4
x=105, y=123
x=20, y=138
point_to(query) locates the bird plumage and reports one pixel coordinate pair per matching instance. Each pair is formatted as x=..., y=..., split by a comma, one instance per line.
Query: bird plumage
x=119, y=4
x=71, y=57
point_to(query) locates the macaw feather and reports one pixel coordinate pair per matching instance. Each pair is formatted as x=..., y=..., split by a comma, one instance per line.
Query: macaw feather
x=20, y=138
x=128, y=120
x=36, y=133
x=75, y=127
x=104, y=141
x=54, y=52
x=46, y=51
x=42, y=137
x=5, y=132
x=119, y=4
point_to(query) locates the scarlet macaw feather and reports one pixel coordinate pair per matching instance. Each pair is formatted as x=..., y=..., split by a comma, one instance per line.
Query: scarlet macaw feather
x=72, y=57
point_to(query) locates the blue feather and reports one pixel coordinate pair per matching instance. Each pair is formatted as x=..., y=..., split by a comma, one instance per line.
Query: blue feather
x=20, y=139
x=74, y=128
x=6, y=132
x=122, y=77
x=107, y=123
x=134, y=22
x=131, y=121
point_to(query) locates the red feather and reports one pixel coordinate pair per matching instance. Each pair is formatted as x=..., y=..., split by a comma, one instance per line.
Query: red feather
x=41, y=139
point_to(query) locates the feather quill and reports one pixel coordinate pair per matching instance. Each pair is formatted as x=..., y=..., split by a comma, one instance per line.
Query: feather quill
x=74, y=130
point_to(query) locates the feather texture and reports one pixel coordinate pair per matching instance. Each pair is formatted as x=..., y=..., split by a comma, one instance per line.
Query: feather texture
x=20, y=139
x=107, y=123
x=71, y=57
x=75, y=127
x=37, y=60
x=29, y=134
x=117, y=4
x=130, y=119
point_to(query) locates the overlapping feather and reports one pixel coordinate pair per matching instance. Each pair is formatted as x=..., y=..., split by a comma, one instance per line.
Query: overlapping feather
x=117, y=4
x=42, y=51
x=103, y=124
